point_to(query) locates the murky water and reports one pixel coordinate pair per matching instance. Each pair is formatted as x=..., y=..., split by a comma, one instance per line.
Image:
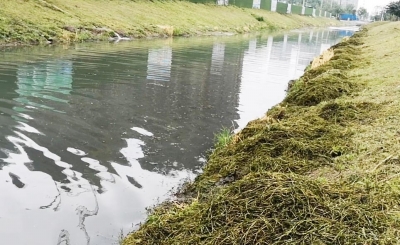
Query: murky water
x=90, y=135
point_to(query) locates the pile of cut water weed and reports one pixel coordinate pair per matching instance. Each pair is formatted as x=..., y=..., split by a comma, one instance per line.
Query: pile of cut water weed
x=330, y=80
x=258, y=189
x=344, y=113
x=292, y=145
x=329, y=85
x=275, y=208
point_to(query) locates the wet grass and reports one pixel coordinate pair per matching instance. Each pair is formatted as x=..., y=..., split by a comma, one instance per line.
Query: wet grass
x=322, y=167
x=40, y=21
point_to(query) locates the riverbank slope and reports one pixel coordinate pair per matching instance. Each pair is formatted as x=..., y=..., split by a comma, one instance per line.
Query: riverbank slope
x=322, y=167
x=42, y=21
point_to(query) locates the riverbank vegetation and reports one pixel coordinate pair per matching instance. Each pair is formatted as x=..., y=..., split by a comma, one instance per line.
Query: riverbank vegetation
x=322, y=167
x=43, y=21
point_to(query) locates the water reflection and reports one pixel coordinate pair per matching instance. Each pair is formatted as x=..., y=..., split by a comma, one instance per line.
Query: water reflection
x=38, y=82
x=92, y=135
x=159, y=64
x=217, y=58
x=268, y=65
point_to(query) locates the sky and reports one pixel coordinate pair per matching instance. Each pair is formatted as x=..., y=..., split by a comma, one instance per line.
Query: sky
x=370, y=4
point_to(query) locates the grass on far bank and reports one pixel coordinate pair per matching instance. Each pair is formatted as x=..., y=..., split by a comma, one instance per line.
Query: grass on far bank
x=322, y=167
x=38, y=21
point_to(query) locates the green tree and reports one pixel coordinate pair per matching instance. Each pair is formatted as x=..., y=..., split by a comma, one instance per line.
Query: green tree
x=336, y=9
x=314, y=3
x=349, y=9
x=393, y=8
x=308, y=3
x=362, y=12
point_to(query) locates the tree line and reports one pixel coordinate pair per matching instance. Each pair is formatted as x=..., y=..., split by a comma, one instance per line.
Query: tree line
x=389, y=12
x=332, y=7
x=393, y=9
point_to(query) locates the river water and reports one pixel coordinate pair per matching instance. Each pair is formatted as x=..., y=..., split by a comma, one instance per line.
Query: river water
x=91, y=135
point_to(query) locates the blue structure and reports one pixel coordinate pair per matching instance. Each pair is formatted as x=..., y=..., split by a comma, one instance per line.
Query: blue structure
x=348, y=17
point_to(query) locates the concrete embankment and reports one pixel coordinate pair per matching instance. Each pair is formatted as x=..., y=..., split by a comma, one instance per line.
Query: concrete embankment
x=322, y=167
x=44, y=21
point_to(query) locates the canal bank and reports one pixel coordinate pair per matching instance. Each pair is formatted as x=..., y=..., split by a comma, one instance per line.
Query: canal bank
x=40, y=22
x=108, y=127
x=319, y=168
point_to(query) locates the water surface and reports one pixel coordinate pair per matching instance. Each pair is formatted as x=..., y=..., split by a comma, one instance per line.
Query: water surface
x=91, y=135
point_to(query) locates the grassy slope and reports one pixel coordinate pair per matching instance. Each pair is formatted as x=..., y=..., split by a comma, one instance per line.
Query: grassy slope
x=35, y=21
x=320, y=168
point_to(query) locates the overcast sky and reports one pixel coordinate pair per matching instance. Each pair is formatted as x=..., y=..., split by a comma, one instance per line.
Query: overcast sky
x=370, y=4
